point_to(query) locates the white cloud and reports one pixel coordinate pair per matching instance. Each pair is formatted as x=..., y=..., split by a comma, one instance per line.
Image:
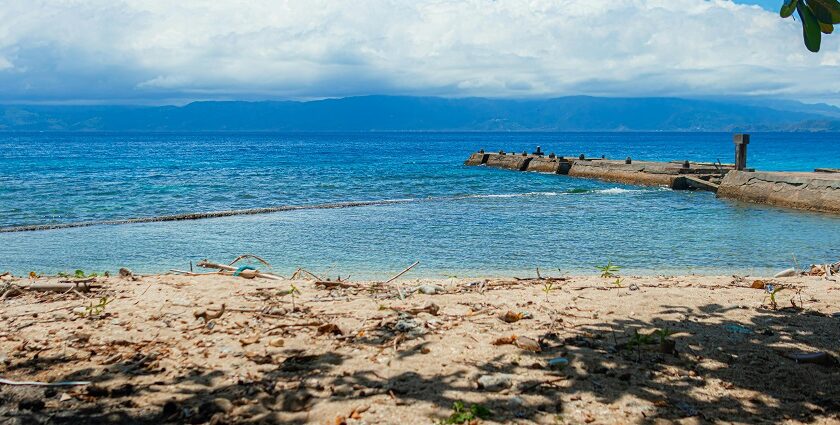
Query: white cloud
x=5, y=64
x=162, y=49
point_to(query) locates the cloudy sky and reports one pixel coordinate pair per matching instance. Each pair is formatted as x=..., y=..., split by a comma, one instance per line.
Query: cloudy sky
x=173, y=51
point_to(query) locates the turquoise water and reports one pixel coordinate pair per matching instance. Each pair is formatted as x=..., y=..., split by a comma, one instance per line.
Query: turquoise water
x=456, y=220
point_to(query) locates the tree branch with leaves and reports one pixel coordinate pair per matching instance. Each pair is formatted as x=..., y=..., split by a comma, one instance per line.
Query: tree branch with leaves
x=817, y=17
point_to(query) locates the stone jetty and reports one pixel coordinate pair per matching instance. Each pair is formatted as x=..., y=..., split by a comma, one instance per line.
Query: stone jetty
x=815, y=191
x=679, y=175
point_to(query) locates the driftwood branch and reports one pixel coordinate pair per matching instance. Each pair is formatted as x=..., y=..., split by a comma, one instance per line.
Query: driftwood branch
x=402, y=272
x=334, y=284
x=244, y=256
x=300, y=271
x=209, y=265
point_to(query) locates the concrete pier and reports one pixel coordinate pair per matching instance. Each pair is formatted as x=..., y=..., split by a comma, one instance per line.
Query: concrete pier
x=817, y=191
x=676, y=175
x=814, y=191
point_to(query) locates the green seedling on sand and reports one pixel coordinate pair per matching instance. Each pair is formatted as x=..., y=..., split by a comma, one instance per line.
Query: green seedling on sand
x=294, y=292
x=663, y=334
x=608, y=270
x=96, y=309
x=617, y=282
x=658, y=336
x=547, y=288
x=79, y=274
x=462, y=415
x=771, y=291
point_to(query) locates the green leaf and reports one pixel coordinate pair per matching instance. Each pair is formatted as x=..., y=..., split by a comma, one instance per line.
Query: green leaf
x=826, y=28
x=788, y=7
x=481, y=411
x=826, y=11
x=810, y=27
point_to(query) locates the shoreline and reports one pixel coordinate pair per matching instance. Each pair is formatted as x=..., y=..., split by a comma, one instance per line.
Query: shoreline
x=159, y=349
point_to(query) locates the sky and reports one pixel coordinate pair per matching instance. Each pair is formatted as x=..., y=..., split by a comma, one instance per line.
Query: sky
x=173, y=52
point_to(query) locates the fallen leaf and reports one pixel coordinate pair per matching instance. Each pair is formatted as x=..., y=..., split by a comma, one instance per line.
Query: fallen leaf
x=511, y=317
x=529, y=344
x=505, y=340
x=329, y=328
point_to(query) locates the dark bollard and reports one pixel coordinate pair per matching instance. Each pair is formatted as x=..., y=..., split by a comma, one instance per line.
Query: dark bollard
x=481, y=151
x=582, y=156
x=628, y=160
x=524, y=153
x=686, y=164
x=603, y=157
x=501, y=152
x=538, y=151
x=741, y=142
x=551, y=155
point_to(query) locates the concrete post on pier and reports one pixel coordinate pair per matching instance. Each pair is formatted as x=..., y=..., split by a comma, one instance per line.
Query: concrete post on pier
x=741, y=142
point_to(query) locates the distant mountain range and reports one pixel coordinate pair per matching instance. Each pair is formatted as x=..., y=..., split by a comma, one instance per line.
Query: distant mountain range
x=401, y=113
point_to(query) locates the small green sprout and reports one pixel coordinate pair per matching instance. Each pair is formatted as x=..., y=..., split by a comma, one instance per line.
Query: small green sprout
x=617, y=282
x=663, y=334
x=772, y=290
x=79, y=274
x=294, y=292
x=462, y=415
x=608, y=270
x=547, y=288
x=96, y=309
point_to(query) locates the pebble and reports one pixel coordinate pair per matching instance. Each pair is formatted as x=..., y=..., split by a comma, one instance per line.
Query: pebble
x=558, y=362
x=495, y=382
x=430, y=289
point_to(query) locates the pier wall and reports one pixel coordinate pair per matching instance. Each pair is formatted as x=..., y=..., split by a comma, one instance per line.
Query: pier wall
x=648, y=173
x=807, y=191
x=640, y=173
x=510, y=162
x=542, y=164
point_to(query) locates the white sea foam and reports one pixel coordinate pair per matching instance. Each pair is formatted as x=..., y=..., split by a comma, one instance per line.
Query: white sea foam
x=513, y=195
x=616, y=191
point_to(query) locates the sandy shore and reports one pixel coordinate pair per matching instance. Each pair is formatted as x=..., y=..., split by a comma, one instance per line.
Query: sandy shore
x=687, y=349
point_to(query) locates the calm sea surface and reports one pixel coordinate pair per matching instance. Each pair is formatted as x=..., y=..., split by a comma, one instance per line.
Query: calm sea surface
x=459, y=221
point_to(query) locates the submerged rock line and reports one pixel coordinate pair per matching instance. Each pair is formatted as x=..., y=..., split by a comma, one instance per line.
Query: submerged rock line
x=253, y=211
x=203, y=215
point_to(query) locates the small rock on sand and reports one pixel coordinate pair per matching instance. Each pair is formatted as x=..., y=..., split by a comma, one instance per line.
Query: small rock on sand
x=495, y=382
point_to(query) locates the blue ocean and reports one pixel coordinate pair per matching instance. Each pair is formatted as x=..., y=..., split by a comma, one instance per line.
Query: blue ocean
x=456, y=220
